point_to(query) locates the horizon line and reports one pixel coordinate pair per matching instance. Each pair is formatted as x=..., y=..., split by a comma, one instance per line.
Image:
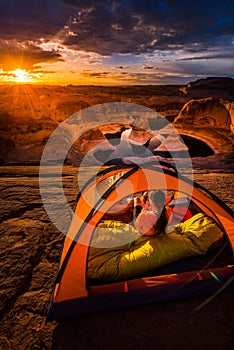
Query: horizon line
x=108, y=85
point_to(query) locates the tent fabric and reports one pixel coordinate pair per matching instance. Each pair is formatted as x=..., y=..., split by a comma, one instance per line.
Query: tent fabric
x=145, y=254
x=112, y=185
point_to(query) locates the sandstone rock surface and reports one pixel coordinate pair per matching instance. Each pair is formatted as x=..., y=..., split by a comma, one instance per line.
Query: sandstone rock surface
x=210, y=120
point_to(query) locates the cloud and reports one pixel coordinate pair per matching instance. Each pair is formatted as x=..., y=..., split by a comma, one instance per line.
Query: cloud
x=134, y=35
x=84, y=57
x=136, y=27
x=24, y=55
x=32, y=20
x=132, y=26
x=198, y=68
x=147, y=67
x=213, y=56
x=122, y=67
x=93, y=61
x=90, y=74
x=41, y=71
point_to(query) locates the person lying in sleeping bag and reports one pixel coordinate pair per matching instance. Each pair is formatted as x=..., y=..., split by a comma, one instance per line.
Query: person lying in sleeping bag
x=154, y=215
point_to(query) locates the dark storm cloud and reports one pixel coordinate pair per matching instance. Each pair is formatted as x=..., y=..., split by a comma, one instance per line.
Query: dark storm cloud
x=137, y=27
x=127, y=27
x=25, y=55
x=31, y=20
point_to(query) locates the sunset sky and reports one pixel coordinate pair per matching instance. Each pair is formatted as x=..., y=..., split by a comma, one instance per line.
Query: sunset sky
x=115, y=42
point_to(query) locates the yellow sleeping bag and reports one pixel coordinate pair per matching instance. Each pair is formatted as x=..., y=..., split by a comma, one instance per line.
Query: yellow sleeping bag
x=119, y=252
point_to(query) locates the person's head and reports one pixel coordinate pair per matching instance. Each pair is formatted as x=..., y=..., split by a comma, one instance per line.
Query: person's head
x=157, y=200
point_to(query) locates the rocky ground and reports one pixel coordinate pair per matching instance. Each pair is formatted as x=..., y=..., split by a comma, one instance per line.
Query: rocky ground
x=29, y=250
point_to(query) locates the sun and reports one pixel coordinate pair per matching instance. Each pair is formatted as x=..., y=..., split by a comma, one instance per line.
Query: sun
x=21, y=76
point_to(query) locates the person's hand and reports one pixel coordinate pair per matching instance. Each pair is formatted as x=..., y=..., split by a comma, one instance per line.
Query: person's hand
x=137, y=201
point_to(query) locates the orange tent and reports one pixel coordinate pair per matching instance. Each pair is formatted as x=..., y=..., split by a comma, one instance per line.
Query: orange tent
x=73, y=294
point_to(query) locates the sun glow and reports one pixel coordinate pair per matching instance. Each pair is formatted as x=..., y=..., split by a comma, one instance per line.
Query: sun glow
x=21, y=76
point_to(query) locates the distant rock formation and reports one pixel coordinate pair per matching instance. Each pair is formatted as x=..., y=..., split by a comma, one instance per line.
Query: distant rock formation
x=219, y=87
x=209, y=119
x=29, y=114
x=208, y=112
x=224, y=161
